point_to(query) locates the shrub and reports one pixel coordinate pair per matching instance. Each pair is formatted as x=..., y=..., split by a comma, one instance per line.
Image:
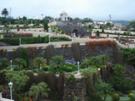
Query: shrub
x=62, y=38
x=131, y=96
x=115, y=97
x=119, y=81
x=69, y=68
x=97, y=61
x=71, y=79
x=25, y=40
x=10, y=41
x=75, y=47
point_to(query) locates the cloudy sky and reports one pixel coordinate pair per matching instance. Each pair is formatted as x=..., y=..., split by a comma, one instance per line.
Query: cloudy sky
x=95, y=9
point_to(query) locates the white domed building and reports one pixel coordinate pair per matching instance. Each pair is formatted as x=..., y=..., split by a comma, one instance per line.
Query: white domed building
x=64, y=16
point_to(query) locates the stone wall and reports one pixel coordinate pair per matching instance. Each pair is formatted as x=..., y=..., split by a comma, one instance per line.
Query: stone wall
x=75, y=91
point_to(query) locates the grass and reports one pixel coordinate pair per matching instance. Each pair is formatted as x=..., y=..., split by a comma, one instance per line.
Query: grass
x=122, y=98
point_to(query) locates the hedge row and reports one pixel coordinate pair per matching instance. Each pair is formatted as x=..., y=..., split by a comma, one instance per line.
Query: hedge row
x=32, y=40
x=62, y=38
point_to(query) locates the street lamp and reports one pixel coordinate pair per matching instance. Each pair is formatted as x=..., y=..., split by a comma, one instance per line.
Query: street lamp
x=10, y=84
x=11, y=64
x=78, y=67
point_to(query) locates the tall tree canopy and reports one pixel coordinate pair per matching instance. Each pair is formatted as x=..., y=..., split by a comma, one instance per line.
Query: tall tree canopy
x=5, y=12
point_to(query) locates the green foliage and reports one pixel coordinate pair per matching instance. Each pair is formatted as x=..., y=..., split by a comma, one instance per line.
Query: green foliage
x=20, y=64
x=97, y=61
x=71, y=79
x=89, y=70
x=45, y=24
x=4, y=63
x=86, y=20
x=91, y=90
x=115, y=97
x=32, y=40
x=132, y=24
x=10, y=41
x=56, y=64
x=103, y=89
x=118, y=80
x=128, y=55
x=76, y=51
x=61, y=38
x=69, y=68
x=131, y=96
x=49, y=53
x=19, y=79
x=5, y=12
x=25, y=40
x=98, y=34
x=23, y=53
x=109, y=25
x=39, y=90
x=39, y=62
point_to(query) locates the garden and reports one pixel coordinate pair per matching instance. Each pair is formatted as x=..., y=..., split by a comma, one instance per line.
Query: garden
x=38, y=75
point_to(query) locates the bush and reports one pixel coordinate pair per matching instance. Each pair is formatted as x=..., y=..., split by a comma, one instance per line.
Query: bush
x=32, y=40
x=119, y=81
x=131, y=96
x=115, y=97
x=96, y=61
x=10, y=41
x=69, y=68
x=62, y=38
x=25, y=40
x=71, y=79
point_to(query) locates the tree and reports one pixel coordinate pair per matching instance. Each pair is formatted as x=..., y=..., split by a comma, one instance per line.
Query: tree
x=19, y=79
x=21, y=63
x=49, y=53
x=97, y=34
x=39, y=62
x=75, y=47
x=97, y=61
x=131, y=25
x=103, y=89
x=45, y=24
x=56, y=63
x=39, y=90
x=109, y=25
x=90, y=28
x=4, y=63
x=119, y=81
x=5, y=12
x=23, y=53
x=87, y=20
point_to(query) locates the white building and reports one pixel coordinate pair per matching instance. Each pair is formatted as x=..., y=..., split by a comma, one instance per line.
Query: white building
x=64, y=16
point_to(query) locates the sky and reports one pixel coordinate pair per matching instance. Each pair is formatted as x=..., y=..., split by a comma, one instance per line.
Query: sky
x=95, y=9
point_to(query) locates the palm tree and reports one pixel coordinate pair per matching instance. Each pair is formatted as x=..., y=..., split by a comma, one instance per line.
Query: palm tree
x=21, y=63
x=4, y=63
x=38, y=62
x=56, y=63
x=5, y=12
x=39, y=90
